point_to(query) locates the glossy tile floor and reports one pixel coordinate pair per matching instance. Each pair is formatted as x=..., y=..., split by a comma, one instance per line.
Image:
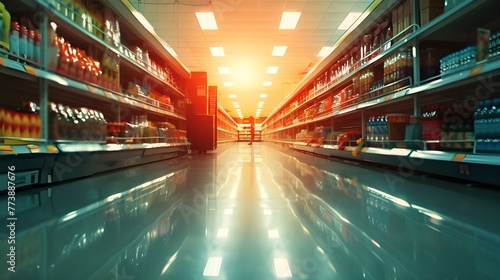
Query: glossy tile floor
x=256, y=212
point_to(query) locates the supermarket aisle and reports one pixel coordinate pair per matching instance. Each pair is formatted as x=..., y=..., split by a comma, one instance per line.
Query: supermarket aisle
x=256, y=212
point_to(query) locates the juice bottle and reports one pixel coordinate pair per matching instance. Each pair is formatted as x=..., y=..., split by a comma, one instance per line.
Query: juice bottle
x=23, y=42
x=31, y=45
x=36, y=48
x=14, y=39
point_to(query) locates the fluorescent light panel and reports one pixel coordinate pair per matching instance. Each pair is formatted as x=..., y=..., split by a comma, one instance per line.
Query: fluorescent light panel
x=223, y=70
x=325, y=51
x=279, y=50
x=268, y=212
x=228, y=211
x=272, y=69
x=289, y=20
x=232, y=96
x=228, y=84
x=349, y=20
x=263, y=95
x=217, y=51
x=213, y=266
x=206, y=20
x=267, y=84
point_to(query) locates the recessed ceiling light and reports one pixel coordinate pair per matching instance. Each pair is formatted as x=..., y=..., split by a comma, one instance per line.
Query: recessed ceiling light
x=223, y=70
x=217, y=51
x=228, y=84
x=289, y=20
x=206, y=20
x=267, y=84
x=279, y=50
x=263, y=95
x=349, y=20
x=272, y=69
x=325, y=51
x=232, y=96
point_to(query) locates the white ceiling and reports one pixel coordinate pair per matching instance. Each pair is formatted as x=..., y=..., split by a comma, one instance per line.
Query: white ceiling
x=248, y=30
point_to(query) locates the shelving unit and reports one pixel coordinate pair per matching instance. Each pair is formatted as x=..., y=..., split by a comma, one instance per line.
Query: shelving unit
x=244, y=134
x=227, y=129
x=398, y=98
x=121, y=90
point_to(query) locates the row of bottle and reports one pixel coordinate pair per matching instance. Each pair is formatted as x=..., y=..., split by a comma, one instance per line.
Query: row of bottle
x=20, y=124
x=140, y=130
x=378, y=39
x=79, y=124
x=487, y=119
x=20, y=39
x=461, y=59
x=397, y=67
x=377, y=128
x=89, y=15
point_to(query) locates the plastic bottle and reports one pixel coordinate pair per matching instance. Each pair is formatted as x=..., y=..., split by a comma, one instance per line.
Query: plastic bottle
x=31, y=45
x=36, y=48
x=23, y=41
x=14, y=38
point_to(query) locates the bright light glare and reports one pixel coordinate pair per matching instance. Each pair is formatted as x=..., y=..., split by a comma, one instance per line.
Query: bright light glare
x=213, y=266
x=325, y=51
x=282, y=268
x=222, y=233
x=273, y=234
x=349, y=20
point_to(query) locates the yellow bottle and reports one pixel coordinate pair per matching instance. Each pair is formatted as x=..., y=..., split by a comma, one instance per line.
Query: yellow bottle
x=4, y=29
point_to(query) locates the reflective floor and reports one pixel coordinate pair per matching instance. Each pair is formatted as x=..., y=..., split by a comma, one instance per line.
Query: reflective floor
x=255, y=212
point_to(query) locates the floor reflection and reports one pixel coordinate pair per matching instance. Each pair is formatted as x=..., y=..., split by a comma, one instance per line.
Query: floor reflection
x=255, y=212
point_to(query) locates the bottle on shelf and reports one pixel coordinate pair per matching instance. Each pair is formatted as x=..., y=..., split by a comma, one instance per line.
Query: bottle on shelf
x=14, y=39
x=23, y=41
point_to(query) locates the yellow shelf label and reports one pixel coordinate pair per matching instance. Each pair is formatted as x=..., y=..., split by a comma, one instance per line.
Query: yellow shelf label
x=30, y=70
x=108, y=94
x=34, y=149
x=91, y=89
x=458, y=157
x=476, y=71
x=387, y=97
x=52, y=149
x=2, y=62
x=6, y=150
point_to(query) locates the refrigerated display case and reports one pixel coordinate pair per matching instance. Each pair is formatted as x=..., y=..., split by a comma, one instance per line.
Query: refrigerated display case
x=418, y=79
x=90, y=88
